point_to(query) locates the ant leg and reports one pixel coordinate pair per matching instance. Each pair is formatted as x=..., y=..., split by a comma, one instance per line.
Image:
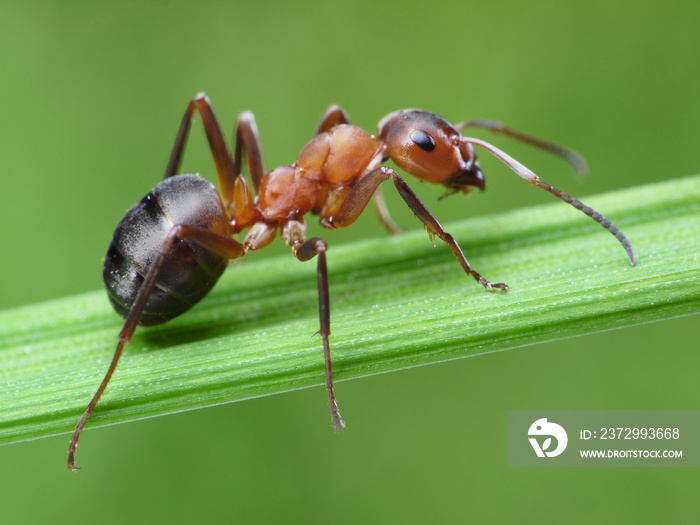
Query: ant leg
x=218, y=244
x=227, y=168
x=336, y=115
x=226, y=171
x=333, y=115
x=569, y=155
x=293, y=234
x=359, y=196
x=383, y=212
x=434, y=228
x=248, y=141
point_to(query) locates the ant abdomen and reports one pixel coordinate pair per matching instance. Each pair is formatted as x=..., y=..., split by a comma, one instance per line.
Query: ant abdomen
x=189, y=270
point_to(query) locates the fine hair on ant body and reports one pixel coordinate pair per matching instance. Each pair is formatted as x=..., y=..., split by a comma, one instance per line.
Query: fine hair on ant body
x=170, y=249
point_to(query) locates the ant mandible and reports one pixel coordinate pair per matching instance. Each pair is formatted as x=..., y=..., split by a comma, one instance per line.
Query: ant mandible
x=171, y=248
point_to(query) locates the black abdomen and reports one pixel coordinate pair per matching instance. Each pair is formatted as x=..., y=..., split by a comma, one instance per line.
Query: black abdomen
x=188, y=272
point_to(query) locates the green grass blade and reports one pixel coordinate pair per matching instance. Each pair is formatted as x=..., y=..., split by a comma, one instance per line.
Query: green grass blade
x=395, y=303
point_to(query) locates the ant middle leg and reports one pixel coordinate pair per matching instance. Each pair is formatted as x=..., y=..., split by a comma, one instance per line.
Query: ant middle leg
x=334, y=115
x=248, y=141
x=359, y=197
x=293, y=232
x=228, y=168
x=226, y=171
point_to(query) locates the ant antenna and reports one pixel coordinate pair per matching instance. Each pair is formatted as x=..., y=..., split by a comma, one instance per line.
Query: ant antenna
x=527, y=175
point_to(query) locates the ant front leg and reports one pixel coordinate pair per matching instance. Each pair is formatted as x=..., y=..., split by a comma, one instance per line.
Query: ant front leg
x=214, y=242
x=333, y=116
x=383, y=212
x=359, y=196
x=293, y=233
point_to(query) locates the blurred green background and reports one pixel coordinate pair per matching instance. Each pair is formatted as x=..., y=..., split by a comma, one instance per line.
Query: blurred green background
x=91, y=98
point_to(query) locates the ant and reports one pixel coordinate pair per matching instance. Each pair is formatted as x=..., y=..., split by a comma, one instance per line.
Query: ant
x=170, y=249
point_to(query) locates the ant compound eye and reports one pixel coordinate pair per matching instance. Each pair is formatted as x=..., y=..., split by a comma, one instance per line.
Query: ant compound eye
x=423, y=140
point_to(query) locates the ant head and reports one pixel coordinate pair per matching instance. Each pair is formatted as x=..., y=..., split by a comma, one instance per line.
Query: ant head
x=430, y=148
